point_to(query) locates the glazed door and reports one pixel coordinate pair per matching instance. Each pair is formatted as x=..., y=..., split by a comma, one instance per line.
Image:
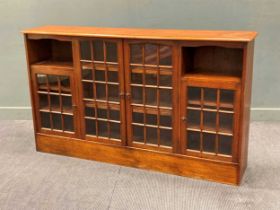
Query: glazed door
x=102, y=90
x=150, y=94
x=55, y=102
x=209, y=117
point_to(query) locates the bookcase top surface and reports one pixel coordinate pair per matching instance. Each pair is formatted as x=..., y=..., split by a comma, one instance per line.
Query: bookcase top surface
x=139, y=33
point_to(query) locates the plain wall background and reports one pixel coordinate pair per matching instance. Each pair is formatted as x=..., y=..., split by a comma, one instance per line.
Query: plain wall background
x=262, y=16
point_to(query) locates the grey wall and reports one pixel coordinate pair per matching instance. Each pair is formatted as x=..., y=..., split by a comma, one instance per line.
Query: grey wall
x=260, y=15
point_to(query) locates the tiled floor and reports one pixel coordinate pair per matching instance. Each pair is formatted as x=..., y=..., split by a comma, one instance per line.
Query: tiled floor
x=33, y=180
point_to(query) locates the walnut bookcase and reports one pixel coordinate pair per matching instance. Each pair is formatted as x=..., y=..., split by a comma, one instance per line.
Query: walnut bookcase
x=175, y=101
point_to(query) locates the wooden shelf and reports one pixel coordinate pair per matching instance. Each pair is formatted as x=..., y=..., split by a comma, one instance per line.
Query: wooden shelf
x=211, y=76
x=51, y=65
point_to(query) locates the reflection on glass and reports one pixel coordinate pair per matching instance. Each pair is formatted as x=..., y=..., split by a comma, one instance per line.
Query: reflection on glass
x=165, y=55
x=194, y=94
x=209, y=142
x=85, y=50
x=193, y=140
x=227, y=98
x=151, y=119
x=65, y=84
x=42, y=82
x=210, y=96
x=43, y=100
x=136, y=78
x=209, y=121
x=113, y=76
x=135, y=53
x=165, y=120
x=193, y=118
x=225, y=144
x=102, y=113
x=88, y=90
x=98, y=50
x=151, y=54
x=115, y=130
x=136, y=94
x=99, y=75
x=89, y=111
x=166, y=137
x=55, y=102
x=53, y=83
x=151, y=79
x=137, y=117
x=165, y=97
x=165, y=80
x=151, y=96
x=90, y=127
x=87, y=74
x=67, y=103
x=57, y=124
x=113, y=93
x=114, y=114
x=111, y=52
x=68, y=123
x=101, y=91
x=138, y=133
x=151, y=135
x=226, y=122
x=102, y=128
x=45, y=120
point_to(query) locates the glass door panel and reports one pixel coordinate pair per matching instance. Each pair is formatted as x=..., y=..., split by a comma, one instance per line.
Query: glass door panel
x=208, y=121
x=102, y=90
x=149, y=75
x=55, y=103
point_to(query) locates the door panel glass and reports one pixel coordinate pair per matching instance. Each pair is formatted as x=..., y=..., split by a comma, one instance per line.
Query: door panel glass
x=101, y=94
x=55, y=103
x=150, y=70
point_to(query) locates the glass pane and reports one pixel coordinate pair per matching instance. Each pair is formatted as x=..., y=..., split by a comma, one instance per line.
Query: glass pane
x=65, y=84
x=67, y=104
x=102, y=113
x=151, y=96
x=138, y=133
x=165, y=55
x=166, y=137
x=68, y=123
x=98, y=50
x=226, y=122
x=151, y=54
x=85, y=50
x=114, y=114
x=101, y=91
x=137, y=117
x=135, y=53
x=137, y=95
x=136, y=78
x=88, y=90
x=151, y=135
x=227, y=98
x=151, y=119
x=194, y=95
x=165, y=80
x=225, y=144
x=55, y=103
x=43, y=100
x=89, y=111
x=151, y=79
x=99, y=75
x=45, y=120
x=102, y=128
x=113, y=76
x=193, y=140
x=87, y=74
x=165, y=120
x=53, y=82
x=210, y=97
x=193, y=118
x=165, y=97
x=209, y=142
x=57, y=124
x=209, y=121
x=111, y=51
x=90, y=127
x=42, y=82
x=115, y=130
x=113, y=92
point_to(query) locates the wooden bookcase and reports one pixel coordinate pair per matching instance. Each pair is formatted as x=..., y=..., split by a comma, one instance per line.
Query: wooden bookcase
x=175, y=101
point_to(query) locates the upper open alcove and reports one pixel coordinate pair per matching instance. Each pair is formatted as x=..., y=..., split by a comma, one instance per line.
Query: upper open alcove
x=212, y=60
x=50, y=52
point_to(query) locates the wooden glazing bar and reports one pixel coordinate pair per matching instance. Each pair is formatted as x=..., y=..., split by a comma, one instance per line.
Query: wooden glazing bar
x=49, y=100
x=60, y=103
x=217, y=121
x=144, y=92
x=158, y=97
x=201, y=119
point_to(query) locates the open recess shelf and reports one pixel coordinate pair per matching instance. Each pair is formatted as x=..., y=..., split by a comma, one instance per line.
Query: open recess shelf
x=176, y=101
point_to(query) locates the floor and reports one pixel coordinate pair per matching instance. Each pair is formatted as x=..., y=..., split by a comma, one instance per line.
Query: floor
x=33, y=180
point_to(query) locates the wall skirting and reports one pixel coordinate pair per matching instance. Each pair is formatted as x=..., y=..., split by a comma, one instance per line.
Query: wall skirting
x=24, y=113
